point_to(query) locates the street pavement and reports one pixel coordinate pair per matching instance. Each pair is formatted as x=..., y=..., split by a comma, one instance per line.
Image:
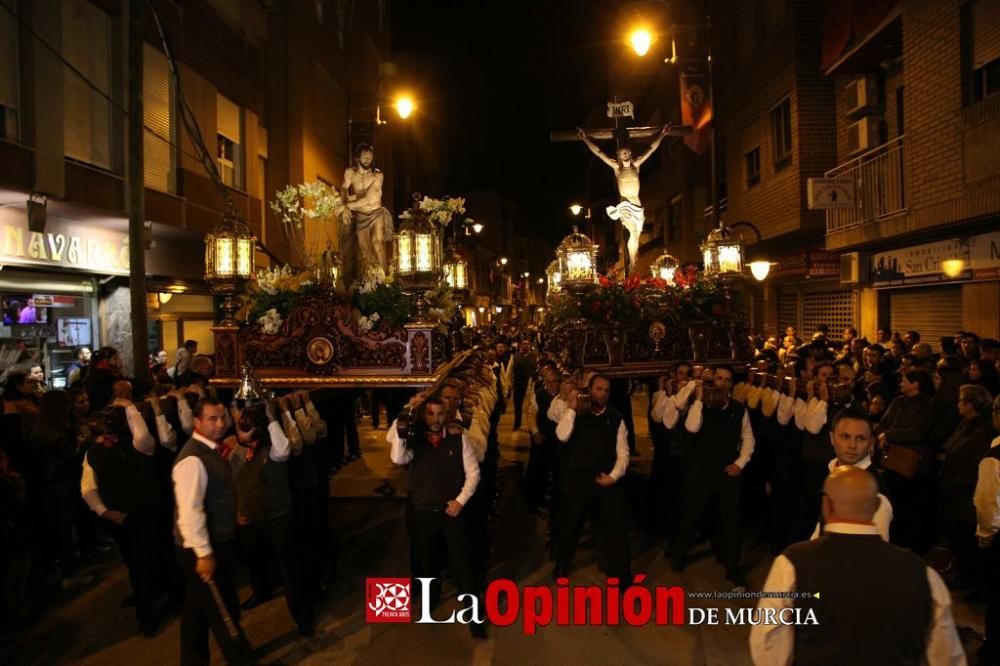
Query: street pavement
x=367, y=515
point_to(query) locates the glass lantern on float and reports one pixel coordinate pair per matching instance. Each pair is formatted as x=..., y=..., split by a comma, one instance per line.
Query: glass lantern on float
x=329, y=267
x=417, y=245
x=229, y=260
x=723, y=253
x=553, y=279
x=664, y=267
x=456, y=273
x=577, y=257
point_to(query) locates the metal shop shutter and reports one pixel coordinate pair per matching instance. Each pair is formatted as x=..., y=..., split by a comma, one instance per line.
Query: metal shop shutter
x=788, y=311
x=86, y=33
x=158, y=113
x=934, y=312
x=834, y=307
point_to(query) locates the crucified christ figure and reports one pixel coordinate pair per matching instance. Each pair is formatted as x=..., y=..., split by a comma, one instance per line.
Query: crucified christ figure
x=626, y=169
x=629, y=209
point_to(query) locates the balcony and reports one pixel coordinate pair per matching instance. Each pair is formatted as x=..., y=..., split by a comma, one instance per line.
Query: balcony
x=879, y=192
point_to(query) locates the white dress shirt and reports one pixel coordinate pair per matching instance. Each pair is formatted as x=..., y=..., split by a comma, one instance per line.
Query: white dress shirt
x=672, y=406
x=556, y=409
x=401, y=455
x=883, y=514
x=142, y=439
x=564, y=429
x=774, y=644
x=786, y=408
x=190, y=482
x=987, y=498
x=695, y=419
x=185, y=415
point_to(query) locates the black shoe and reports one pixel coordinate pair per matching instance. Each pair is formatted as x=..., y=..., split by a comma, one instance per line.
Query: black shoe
x=127, y=602
x=253, y=602
x=478, y=630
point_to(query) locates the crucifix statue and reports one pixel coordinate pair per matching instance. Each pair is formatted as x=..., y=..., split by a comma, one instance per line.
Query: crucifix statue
x=629, y=209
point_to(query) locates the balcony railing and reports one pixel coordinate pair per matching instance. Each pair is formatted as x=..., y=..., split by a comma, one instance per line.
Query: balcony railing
x=879, y=192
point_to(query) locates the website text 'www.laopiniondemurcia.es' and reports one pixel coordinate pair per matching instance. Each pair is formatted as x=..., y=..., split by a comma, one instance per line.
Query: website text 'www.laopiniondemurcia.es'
x=505, y=603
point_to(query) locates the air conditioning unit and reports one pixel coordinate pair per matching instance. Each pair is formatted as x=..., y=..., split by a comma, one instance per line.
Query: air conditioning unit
x=863, y=135
x=862, y=96
x=853, y=268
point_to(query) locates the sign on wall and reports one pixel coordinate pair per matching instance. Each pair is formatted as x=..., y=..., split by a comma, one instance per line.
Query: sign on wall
x=63, y=244
x=955, y=259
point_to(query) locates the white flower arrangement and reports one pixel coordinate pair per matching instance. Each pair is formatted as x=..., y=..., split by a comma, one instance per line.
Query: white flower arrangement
x=373, y=276
x=281, y=278
x=441, y=210
x=307, y=201
x=365, y=324
x=271, y=322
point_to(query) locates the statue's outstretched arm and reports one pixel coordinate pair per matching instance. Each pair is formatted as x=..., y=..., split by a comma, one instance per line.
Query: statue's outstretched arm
x=653, y=146
x=594, y=149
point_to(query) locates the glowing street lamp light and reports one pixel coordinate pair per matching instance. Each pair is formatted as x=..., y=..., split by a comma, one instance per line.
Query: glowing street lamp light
x=576, y=209
x=404, y=106
x=503, y=261
x=640, y=39
x=760, y=269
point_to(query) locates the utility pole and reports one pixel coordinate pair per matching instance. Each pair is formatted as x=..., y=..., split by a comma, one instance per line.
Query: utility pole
x=136, y=193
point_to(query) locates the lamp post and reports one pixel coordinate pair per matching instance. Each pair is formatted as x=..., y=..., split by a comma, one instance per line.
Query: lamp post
x=229, y=260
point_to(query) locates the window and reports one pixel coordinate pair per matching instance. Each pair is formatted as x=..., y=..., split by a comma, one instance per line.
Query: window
x=751, y=164
x=981, y=48
x=158, y=118
x=331, y=112
x=229, y=142
x=86, y=40
x=675, y=220
x=8, y=72
x=781, y=135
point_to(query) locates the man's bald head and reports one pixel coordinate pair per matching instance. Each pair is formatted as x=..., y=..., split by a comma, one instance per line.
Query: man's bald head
x=122, y=389
x=850, y=493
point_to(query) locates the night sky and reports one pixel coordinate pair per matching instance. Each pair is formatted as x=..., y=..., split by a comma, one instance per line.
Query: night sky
x=499, y=76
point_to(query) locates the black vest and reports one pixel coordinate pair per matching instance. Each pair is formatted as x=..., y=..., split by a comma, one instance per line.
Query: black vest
x=126, y=478
x=262, y=489
x=220, y=493
x=875, y=613
x=546, y=426
x=437, y=474
x=718, y=441
x=592, y=448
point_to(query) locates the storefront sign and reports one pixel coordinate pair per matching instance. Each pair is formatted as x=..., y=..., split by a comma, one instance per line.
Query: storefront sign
x=808, y=263
x=953, y=260
x=63, y=244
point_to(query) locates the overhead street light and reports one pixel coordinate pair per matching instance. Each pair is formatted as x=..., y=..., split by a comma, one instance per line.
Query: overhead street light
x=575, y=209
x=641, y=39
x=404, y=106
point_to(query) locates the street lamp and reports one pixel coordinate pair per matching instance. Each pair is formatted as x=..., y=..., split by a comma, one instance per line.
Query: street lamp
x=576, y=209
x=503, y=261
x=229, y=260
x=404, y=106
x=641, y=39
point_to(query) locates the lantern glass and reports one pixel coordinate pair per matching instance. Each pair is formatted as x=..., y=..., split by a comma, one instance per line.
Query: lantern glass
x=424, y=253
x=244, y=258
x=730, y=259
x=577, y=258
x=664, y=267
x=404, y=260
x=225, y=257
x=723, y=253
x=229, y=251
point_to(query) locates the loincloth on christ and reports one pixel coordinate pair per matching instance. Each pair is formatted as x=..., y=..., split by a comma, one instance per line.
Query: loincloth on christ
x=378, y=219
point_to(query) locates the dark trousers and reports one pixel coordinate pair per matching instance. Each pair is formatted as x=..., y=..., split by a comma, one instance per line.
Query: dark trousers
x=582, y=498
x=707, y=482
x=202, y=612
x=812, y=475
x=428, y=528
x=140, y=543
x=785, y=487
x=270, y=549
x=520, y=390
x=912, y=517
x=536, y=478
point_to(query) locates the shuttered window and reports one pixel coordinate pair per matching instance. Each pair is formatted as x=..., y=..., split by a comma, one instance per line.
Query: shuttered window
x=158, y=117
x=8, y=71
x=985, y=32
x=229, y=121
x=331, y=112
x=934, y=312
x=86, y=40
x=835, y=308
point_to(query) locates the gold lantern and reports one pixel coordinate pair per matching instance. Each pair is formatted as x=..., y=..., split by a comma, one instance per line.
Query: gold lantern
x=577, y=257
x=723, y=253
x=553, y=279
x=329, y=267
x=418, y=251
x=664, y=267
x=229, y=260
x=456, y=270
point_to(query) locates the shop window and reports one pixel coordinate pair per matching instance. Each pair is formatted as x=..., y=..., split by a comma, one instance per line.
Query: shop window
x=980, y=49
x=86, y=38
x=229, y=142
x=781, y=135
x=751, y=165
